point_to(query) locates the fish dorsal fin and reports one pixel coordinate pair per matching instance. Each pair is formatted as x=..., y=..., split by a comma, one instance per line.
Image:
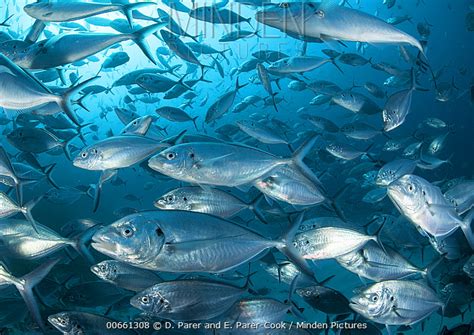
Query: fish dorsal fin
x=327, y=5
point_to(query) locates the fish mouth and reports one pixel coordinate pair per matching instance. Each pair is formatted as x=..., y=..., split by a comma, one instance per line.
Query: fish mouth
x=103, y=245
x=160, y=203
x=355, y=306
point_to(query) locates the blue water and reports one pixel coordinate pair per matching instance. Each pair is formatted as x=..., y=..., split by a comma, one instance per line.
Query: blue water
x=449, y=48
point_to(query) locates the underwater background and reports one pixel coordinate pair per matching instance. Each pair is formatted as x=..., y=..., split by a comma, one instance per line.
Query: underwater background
x=449, y=52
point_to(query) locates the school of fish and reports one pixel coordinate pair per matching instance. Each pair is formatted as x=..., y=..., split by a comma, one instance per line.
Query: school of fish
x=236, y=167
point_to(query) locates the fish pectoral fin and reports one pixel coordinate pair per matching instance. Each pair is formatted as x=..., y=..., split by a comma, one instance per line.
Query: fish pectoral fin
x=209, y=162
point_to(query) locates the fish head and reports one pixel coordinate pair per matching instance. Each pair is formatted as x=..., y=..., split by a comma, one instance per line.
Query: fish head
x=310, y=292
x=16, y=135
x=177, y=199
x=385, y=176
x=138, y=126
x=286, y=16
x=151, y=301
x=279, y=65
x=374, y=302
x=392, y=118
x=407, y=193
x=62, y=322
x=38, y=9
x=134, y=239
x=90, y=158
x=106, y=270
x=175, y=161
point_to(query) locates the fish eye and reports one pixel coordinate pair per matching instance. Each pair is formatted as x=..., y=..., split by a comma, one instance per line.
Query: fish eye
x=170, y=198
x=375, y=298
x=170, y=155
x=191, y=155
x=84, y=155
x=127, y=232
x=185, y=199
x=410, y=188
x=392, y=298
x=145, y=299
x=135, y=123
x=284, y=5
x=320, y=13
x=102, y=267
x=162, y=300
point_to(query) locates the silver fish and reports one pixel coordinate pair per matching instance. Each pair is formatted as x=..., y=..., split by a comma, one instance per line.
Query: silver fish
x=330, y=242
x=461, y=196
x=57, y=50
x=394, y=170
x=187, y=300
x=117, y=152
x=139, y=126
x=174, y=241
x=426, y=207
x=85, y=323
x=223, y=163
x=125, y=276
x=328, y=21
x=211, y=201
x=396, y=302
x=222, y=104
x=374, y=263
x=65, y=11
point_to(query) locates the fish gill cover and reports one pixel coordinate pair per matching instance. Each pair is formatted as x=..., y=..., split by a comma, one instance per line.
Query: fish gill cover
x=236, y=167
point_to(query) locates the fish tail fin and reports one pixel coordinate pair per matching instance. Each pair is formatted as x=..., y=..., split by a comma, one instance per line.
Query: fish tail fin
x=139, y=38
x=127, y=10
x=26, y=210
x=333, y=62
x=29, y=281
x=65, y=102
x=79, y=243
x=414, y=83
x=273, y=101
x=467, y=229
x=293, y=307
x=377, y=237
x=174, y=68
x=299, y=155
x=238, y=86
x=248, y=22
x=80, y=102
x=19, y=183
x=253, y=206
x=427, y=272
x=286, y=247
x=195, y=38
x=48, y=170
x=194, y=122
x=335, y=203
x=222, y=53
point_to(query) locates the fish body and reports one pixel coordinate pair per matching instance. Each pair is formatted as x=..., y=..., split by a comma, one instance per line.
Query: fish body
x=219, y=163
x=396, y=302
x=329, y=21
x=176, y=241
x=329, y=242
x=117, y=152
x=425, y=206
